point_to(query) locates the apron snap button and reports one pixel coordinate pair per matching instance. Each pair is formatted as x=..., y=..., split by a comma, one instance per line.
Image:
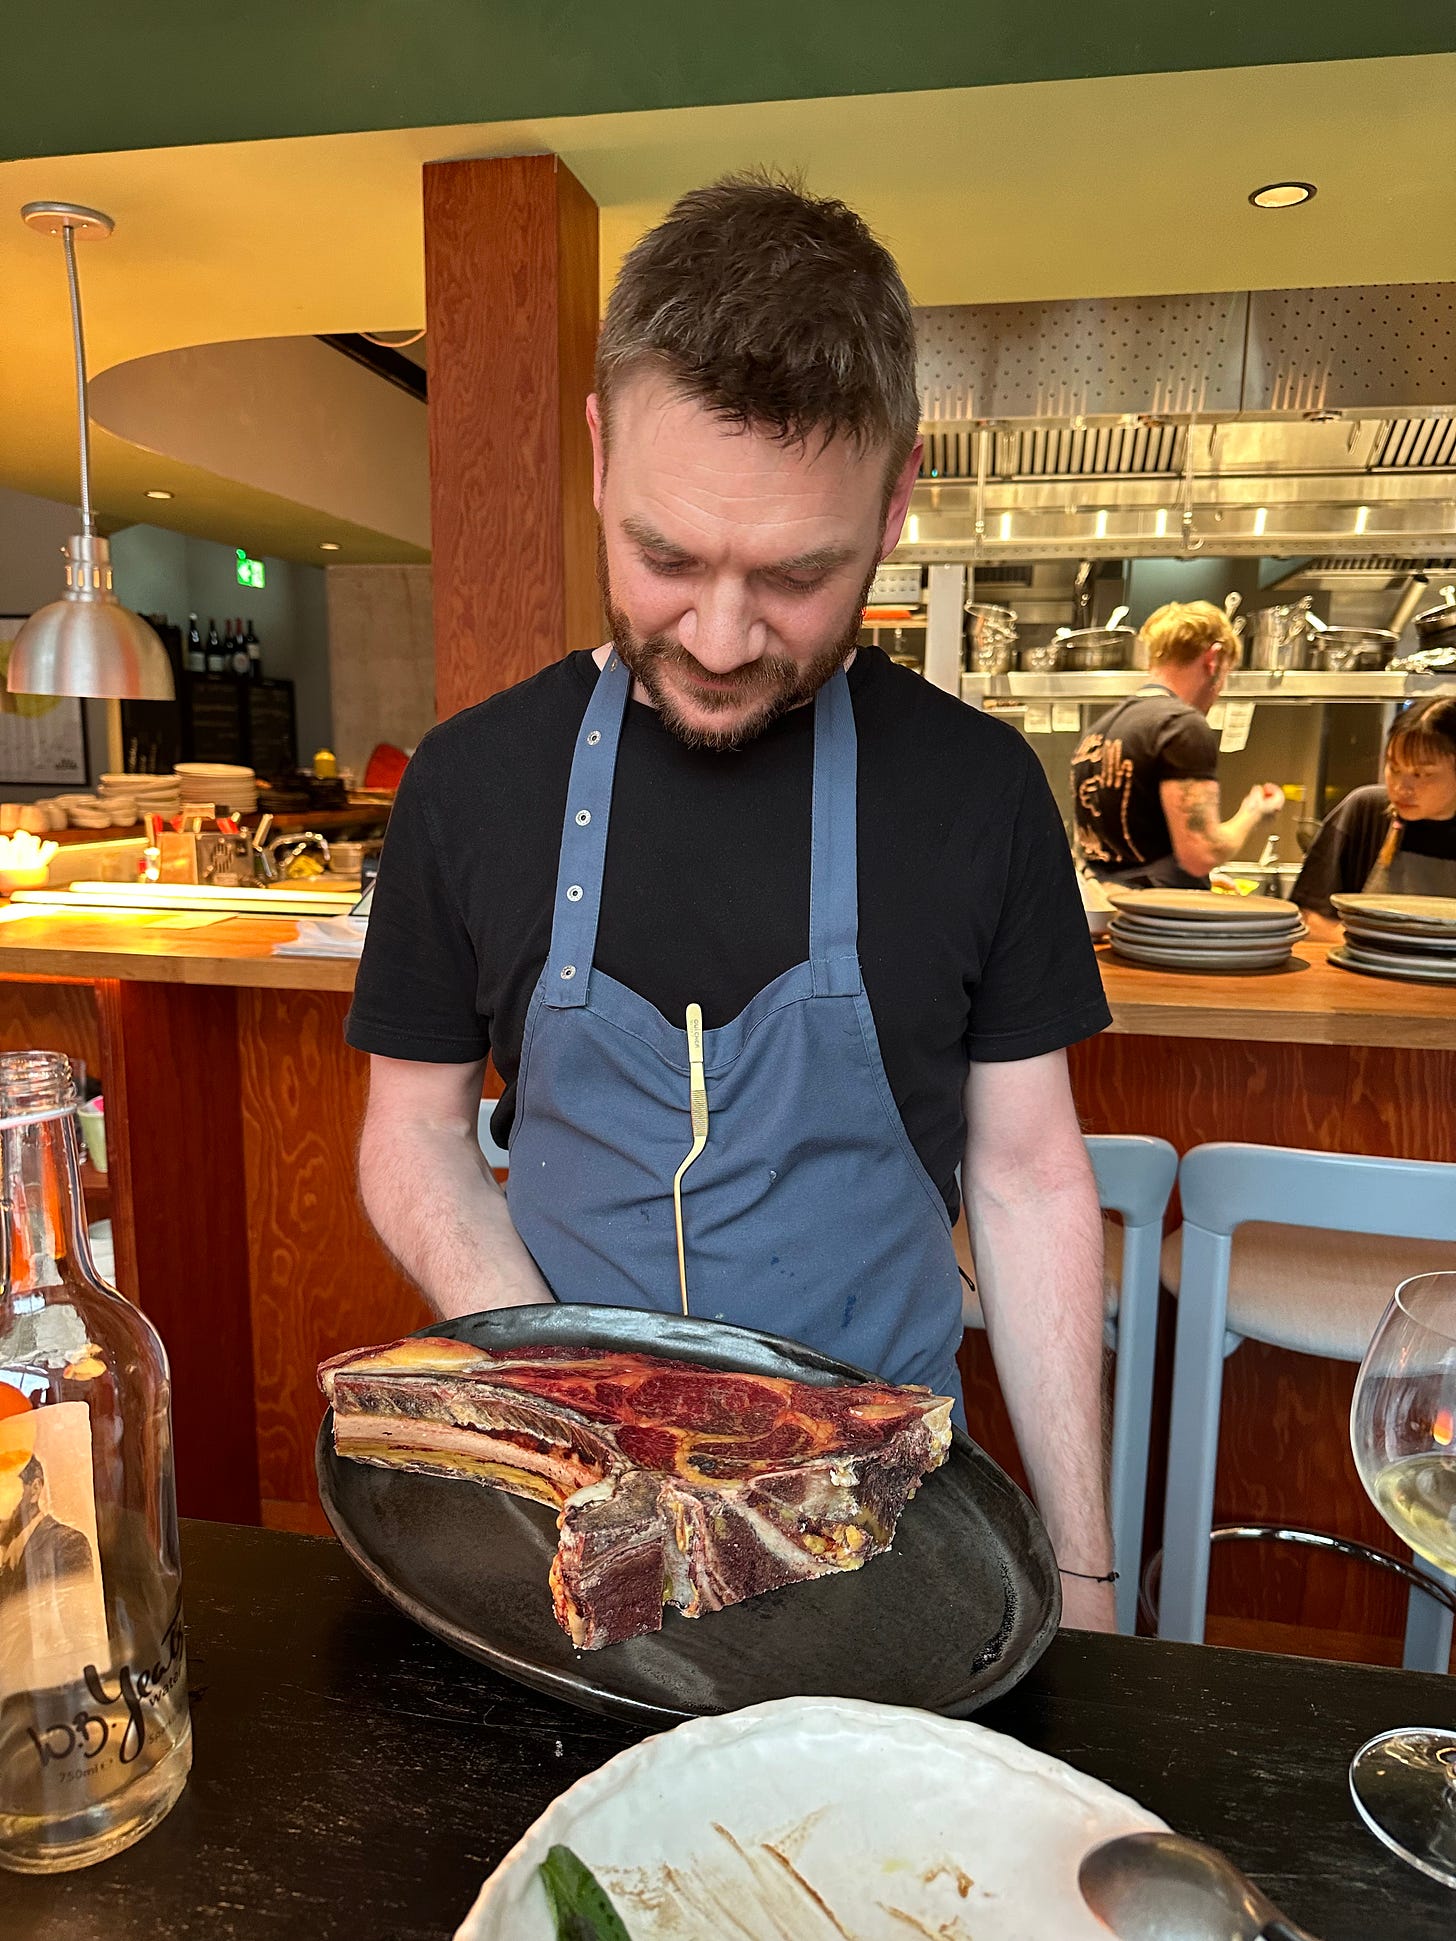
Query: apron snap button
x=593, y=738
x=573, y=895
x=568, y=971
x=583, y=817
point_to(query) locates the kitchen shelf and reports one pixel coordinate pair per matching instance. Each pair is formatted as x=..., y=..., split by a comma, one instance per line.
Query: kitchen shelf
x=1244, y=684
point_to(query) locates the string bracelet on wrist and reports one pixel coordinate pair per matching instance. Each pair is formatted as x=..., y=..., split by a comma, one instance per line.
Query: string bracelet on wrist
x=1087, y=1578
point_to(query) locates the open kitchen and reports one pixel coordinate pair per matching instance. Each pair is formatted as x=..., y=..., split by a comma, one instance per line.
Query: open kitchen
x=728, y=992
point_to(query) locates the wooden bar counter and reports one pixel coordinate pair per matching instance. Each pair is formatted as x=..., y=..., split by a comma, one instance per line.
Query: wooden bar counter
x=233, y=1108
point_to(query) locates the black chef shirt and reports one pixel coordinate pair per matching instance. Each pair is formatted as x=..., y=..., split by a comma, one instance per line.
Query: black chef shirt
x=1117, y=771
x=972, y=935
x=1351, y=836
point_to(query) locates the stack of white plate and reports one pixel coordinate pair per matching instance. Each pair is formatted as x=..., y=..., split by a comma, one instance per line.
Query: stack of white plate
x=218, y=783
x=129, y=796
x=1409, y=937
x=1203, y=930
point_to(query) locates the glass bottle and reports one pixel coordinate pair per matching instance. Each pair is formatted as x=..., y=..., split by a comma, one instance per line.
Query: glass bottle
x=95, y=1739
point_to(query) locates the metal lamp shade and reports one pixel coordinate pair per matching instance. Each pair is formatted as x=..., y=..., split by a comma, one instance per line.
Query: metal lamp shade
x=87, y=642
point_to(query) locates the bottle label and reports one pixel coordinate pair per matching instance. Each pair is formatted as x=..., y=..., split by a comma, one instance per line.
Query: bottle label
x=112, y=1723
x=52, y=1608
x=82, y=1713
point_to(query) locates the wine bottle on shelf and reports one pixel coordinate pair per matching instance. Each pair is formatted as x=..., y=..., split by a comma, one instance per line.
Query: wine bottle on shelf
x=95, y=1740
x=196, y=658
x=215, y=658
x=238, y=658
x=255, y=652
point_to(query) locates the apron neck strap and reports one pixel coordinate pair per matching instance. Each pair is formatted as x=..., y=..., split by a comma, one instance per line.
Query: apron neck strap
x=834, y=846
x=584, y=839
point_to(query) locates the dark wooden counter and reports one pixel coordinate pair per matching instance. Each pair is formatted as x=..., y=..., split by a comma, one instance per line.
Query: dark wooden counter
x=355, y=1780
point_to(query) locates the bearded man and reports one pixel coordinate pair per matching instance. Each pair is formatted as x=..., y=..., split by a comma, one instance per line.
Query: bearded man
x=862, y=884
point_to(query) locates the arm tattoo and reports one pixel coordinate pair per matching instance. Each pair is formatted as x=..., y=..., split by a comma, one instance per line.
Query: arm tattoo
x=1194, y=803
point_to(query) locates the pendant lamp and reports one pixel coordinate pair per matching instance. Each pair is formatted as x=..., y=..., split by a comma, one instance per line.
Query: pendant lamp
x=86, y=642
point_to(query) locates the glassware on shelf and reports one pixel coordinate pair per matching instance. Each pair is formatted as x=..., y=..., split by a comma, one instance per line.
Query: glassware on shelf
x=1403, y=1432
x=95, y=1740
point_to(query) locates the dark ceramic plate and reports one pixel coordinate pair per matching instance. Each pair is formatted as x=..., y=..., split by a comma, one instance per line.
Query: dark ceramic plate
x=961, y=1607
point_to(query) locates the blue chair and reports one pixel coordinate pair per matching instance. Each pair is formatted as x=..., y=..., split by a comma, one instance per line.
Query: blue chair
x=1134, y=1179
x=1302, y=1250
x=496, y=1155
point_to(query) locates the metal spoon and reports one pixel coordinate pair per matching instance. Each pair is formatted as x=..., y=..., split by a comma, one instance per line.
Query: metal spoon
x=1116, y=618
x=1162, y=1887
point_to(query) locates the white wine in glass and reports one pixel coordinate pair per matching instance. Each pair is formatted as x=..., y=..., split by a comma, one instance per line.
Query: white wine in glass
x=1403, y=1433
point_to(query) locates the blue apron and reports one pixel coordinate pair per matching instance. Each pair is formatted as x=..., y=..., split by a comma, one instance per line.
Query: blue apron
x=809, y=1214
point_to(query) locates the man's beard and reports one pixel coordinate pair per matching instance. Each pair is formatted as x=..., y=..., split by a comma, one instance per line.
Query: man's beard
x=760, y=692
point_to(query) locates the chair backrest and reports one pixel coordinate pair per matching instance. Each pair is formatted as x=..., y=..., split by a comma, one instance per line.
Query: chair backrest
x=1134, y=1175
x=1224, y=1185
x=496, y=1155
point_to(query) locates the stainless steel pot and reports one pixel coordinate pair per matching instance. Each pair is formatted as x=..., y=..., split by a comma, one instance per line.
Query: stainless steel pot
x=990, y=637
x=1095, y=649
x=1353, y=650
x=1281, y=637
x=1436, y=627
x=1047, y=658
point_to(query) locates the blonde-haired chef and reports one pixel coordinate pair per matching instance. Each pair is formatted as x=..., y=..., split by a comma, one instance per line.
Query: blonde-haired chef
x=1145, y=775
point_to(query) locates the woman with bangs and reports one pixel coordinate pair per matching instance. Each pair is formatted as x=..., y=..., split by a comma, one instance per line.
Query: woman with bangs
x=1397, y=837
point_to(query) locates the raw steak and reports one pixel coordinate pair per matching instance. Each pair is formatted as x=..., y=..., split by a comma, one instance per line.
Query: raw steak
x=674, y=1484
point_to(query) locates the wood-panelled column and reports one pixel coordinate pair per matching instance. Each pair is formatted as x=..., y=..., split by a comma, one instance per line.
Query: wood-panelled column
x=511, y=309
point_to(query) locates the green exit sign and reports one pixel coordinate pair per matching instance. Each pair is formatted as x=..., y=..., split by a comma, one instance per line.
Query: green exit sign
x=250, y=571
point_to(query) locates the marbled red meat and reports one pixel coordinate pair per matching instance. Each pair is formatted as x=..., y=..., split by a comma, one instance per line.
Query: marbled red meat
x=674, y=1483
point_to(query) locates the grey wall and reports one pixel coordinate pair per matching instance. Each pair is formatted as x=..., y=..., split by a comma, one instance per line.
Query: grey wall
x=1152, y=583
x=32, y=534
x=382, y=651
x=170, y=573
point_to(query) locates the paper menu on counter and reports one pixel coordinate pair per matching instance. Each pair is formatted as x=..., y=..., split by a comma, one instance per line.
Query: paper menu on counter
x=1038, y=718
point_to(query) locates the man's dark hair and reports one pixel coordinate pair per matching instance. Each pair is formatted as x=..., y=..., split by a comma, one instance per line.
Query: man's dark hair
x=776, y=309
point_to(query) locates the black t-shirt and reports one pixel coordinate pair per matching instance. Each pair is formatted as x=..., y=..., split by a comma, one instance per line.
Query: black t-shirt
x=1120, y=764
x=1345, y=851
x=972, y=937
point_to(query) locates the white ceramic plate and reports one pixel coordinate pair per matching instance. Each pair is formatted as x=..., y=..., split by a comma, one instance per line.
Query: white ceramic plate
x=1202, y=906
x=1400, y=943
x=1422, y=912
x=898, y=1822
x=1415, y=970
x=1250, y=933
x=1172, y=957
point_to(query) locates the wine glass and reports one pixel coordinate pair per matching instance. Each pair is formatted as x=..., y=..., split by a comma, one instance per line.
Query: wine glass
x=1403, y=1432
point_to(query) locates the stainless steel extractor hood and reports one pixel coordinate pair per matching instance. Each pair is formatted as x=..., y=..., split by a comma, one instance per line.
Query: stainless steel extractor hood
x=1281, y=423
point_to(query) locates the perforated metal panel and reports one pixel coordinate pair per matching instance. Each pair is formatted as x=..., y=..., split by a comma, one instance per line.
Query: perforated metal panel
x=1097, y=357
x=1376, y=347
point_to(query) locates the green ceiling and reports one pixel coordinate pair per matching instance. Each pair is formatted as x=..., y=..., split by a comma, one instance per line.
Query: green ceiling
x=123, y=76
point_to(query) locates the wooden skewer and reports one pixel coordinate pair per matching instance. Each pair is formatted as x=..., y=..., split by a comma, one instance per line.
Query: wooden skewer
x=698, y=1100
